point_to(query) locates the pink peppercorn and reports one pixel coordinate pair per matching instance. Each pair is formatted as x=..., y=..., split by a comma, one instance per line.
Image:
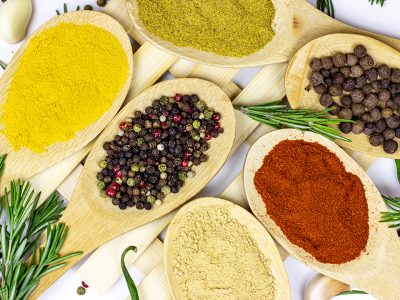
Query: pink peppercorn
x=178, y=97
x=216, y=116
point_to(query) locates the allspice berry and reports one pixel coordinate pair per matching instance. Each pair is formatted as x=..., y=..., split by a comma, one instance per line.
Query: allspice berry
x=367, y=62
x=390, y=104
x=396, y=99
x=339, y=60
x=352, y=59
x=327, y=63
x=349, y=84
x=369, y=129
x=367, y=89
x=345, y=113
x=394, y=88
x=326, y=100
x=376, y=114
x=371, y=74
x=338, y=78
x=389, y=134
x=385, y=83
x=335, y=90
x=370, y=102
x=358, y=109
x=384, y=71
x=346, y=100
x=366, y=117
x=345, y=71
x=376, y=139
x=320, y=88
x=334, y=109
x=357, y=71
x=325, y=73
x=360, y=51
x=361, y=81
x=390, y=146
x=334, y=70
x=316, y=78
x=397, y=132
x=376, y=86
x=316, y=64
x=357, y=96
x=380, y=125
x=393, y=122
x=345, y=127
x=384, y=95
x=358, y=127
x=395, y=77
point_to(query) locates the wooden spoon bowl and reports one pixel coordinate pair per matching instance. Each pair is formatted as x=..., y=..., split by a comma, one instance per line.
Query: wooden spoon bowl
x=257, y=231
x=25, y=163
x=297, y=78
x=377, y=270
x=93, y=220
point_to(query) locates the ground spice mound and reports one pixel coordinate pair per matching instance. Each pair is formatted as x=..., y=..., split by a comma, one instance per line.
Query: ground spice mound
x=216, y=258
x=317, y=204
x=67, y=78
x=234, y=28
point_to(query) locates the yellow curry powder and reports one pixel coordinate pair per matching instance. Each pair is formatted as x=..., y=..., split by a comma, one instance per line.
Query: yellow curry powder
x=234, y=28
x=67, y=78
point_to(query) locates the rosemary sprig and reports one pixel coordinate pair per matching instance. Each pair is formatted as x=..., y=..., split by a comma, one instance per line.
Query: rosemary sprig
x=20, y=236
x=129, y=281
x=353, y=292
x=327, y=6
x=3, y=65
x=277, y=115
x=381, y=2
x=393, y=216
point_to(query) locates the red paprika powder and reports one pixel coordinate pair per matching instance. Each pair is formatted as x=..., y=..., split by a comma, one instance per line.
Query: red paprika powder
x=317, y=204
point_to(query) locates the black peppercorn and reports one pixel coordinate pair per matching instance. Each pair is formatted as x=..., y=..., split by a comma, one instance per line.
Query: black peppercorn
x=361, y=82
x=360, y=51
x=389, y=134
x=326, y=100
x=335, y=90
x=316, y=64
x=346, y=100
x=316, y=78
x=371, y=74
x=358, y=127
x=349, y=84
x=339, y=60
x=367, y=62
x=338, y=78
x=345, y=71
x=345, y=127
x=384, y=71
x=380, y=125
x=395, y=77
x=357, y=71
x=393, y=122
x=369, y=129
x=357, y=96
x=370, y=102
x=384, y=95
x=358, y=109
x=345, y=113
x=352, y=59
x=376, y=114
x=367, y=118
x=376, y=139
x=334, y=70
x=320, y=89
x=327, y=63
x=390, y=146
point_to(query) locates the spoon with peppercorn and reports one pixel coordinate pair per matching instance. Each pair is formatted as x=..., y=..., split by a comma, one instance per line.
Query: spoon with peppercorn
x=25, y=163
x=355, y=77
x=376, y=268
x=157, y=153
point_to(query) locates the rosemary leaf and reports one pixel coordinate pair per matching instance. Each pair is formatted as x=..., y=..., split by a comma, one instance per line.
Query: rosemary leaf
x=129, y=281
x=397, y=162
x=3, y=65
x=354, y=292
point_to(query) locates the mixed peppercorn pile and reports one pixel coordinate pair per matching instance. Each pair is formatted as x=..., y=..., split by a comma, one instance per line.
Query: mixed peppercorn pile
x=369, y=94
x=155, y=152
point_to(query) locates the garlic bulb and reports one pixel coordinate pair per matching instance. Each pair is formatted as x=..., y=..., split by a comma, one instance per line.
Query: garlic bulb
x=14, y=19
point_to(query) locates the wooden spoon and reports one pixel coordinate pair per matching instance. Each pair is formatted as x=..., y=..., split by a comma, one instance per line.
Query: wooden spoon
x=25, y=163
x=298, y=71
x=376, y=271
x=296, y=23
x=258, y=232
x=93, y=220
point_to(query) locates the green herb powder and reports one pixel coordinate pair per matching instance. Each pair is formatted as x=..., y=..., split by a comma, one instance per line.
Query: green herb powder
x=233, y=28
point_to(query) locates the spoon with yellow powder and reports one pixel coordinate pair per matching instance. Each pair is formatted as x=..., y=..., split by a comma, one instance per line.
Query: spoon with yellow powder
x=61, y=89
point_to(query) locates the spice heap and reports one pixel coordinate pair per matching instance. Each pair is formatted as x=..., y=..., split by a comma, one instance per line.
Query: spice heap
x=369, y=94
x=155, y=151
x=216, y=258
x=225, y=27
x=317, y=204
x=65, y=80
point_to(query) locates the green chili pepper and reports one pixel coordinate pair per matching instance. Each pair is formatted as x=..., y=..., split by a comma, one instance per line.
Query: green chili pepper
x=129, y=281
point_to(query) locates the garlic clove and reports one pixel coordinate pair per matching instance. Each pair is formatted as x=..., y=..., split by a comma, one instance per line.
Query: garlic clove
x=14, y=19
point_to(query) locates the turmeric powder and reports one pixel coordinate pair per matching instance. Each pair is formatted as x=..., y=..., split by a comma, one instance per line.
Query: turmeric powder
x=67, y=78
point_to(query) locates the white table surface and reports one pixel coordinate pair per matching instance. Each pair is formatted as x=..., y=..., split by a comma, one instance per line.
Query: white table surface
x=355, y=12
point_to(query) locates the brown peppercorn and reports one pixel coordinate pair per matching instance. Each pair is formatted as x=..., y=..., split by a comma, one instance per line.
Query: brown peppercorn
x=360, y=51
x=376, y=139
x=320, y=89
x=389, y=134
x=338, y=78
x=345, y=127
x=358, y=127
x=339, y=60
x=357, y=96
x=345, y=113
x=358, y=109
x=346, y=100
x=366, y=118
x=380, y=125
x=326, y=100
x=335, y=90
x=395, y=77
x=370, y=102
x=384, y=95
x=393, y=122
x=357, y=71
x=361, y=81
x=387, y=112
x=327, y=63
x=371, y=74
x=345, y=71
x=369, y=129
x=376, y=114
x=351, y=59
x=349, y=84
x=316, y=78
x=384, y=71
x=390, y=146
x=334, y=109
x=367, y=62
x=316, y=64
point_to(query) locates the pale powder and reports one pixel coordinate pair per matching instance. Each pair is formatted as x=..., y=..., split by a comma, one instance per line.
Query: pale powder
x=216, y=258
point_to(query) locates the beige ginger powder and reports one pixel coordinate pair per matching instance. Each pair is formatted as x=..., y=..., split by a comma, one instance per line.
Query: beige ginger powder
x=216, y=258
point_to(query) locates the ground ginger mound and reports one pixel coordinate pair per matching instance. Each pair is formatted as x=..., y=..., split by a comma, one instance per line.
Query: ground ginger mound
x=216, y=258
x=67, y=78
x=233, y=28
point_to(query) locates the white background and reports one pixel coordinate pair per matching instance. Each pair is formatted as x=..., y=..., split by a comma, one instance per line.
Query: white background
x=355, y=12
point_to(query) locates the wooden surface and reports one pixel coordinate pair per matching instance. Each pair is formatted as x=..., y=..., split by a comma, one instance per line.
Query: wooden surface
x=258, y=233
x=369, y=271
x=87, y=209
x=297, y=78
x=25, y=163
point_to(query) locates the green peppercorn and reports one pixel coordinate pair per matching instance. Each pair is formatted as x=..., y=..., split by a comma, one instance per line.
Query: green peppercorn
x=164, y=100
x=200, y=105
x=81, y=291
x=102, y=164
x=196, y=138
x=88, y=7
x=103, y=194
x=134, y=168
x=162, y=167
x=196, y=124
x=165, y=189
x=101, y=185
x=182, y=176
x=101, y=3
x=151, y=199
x=137, y=128
x=118, y=180
x=208, y=114
x=139, y=141
x=131, y=182
x=163, y=175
